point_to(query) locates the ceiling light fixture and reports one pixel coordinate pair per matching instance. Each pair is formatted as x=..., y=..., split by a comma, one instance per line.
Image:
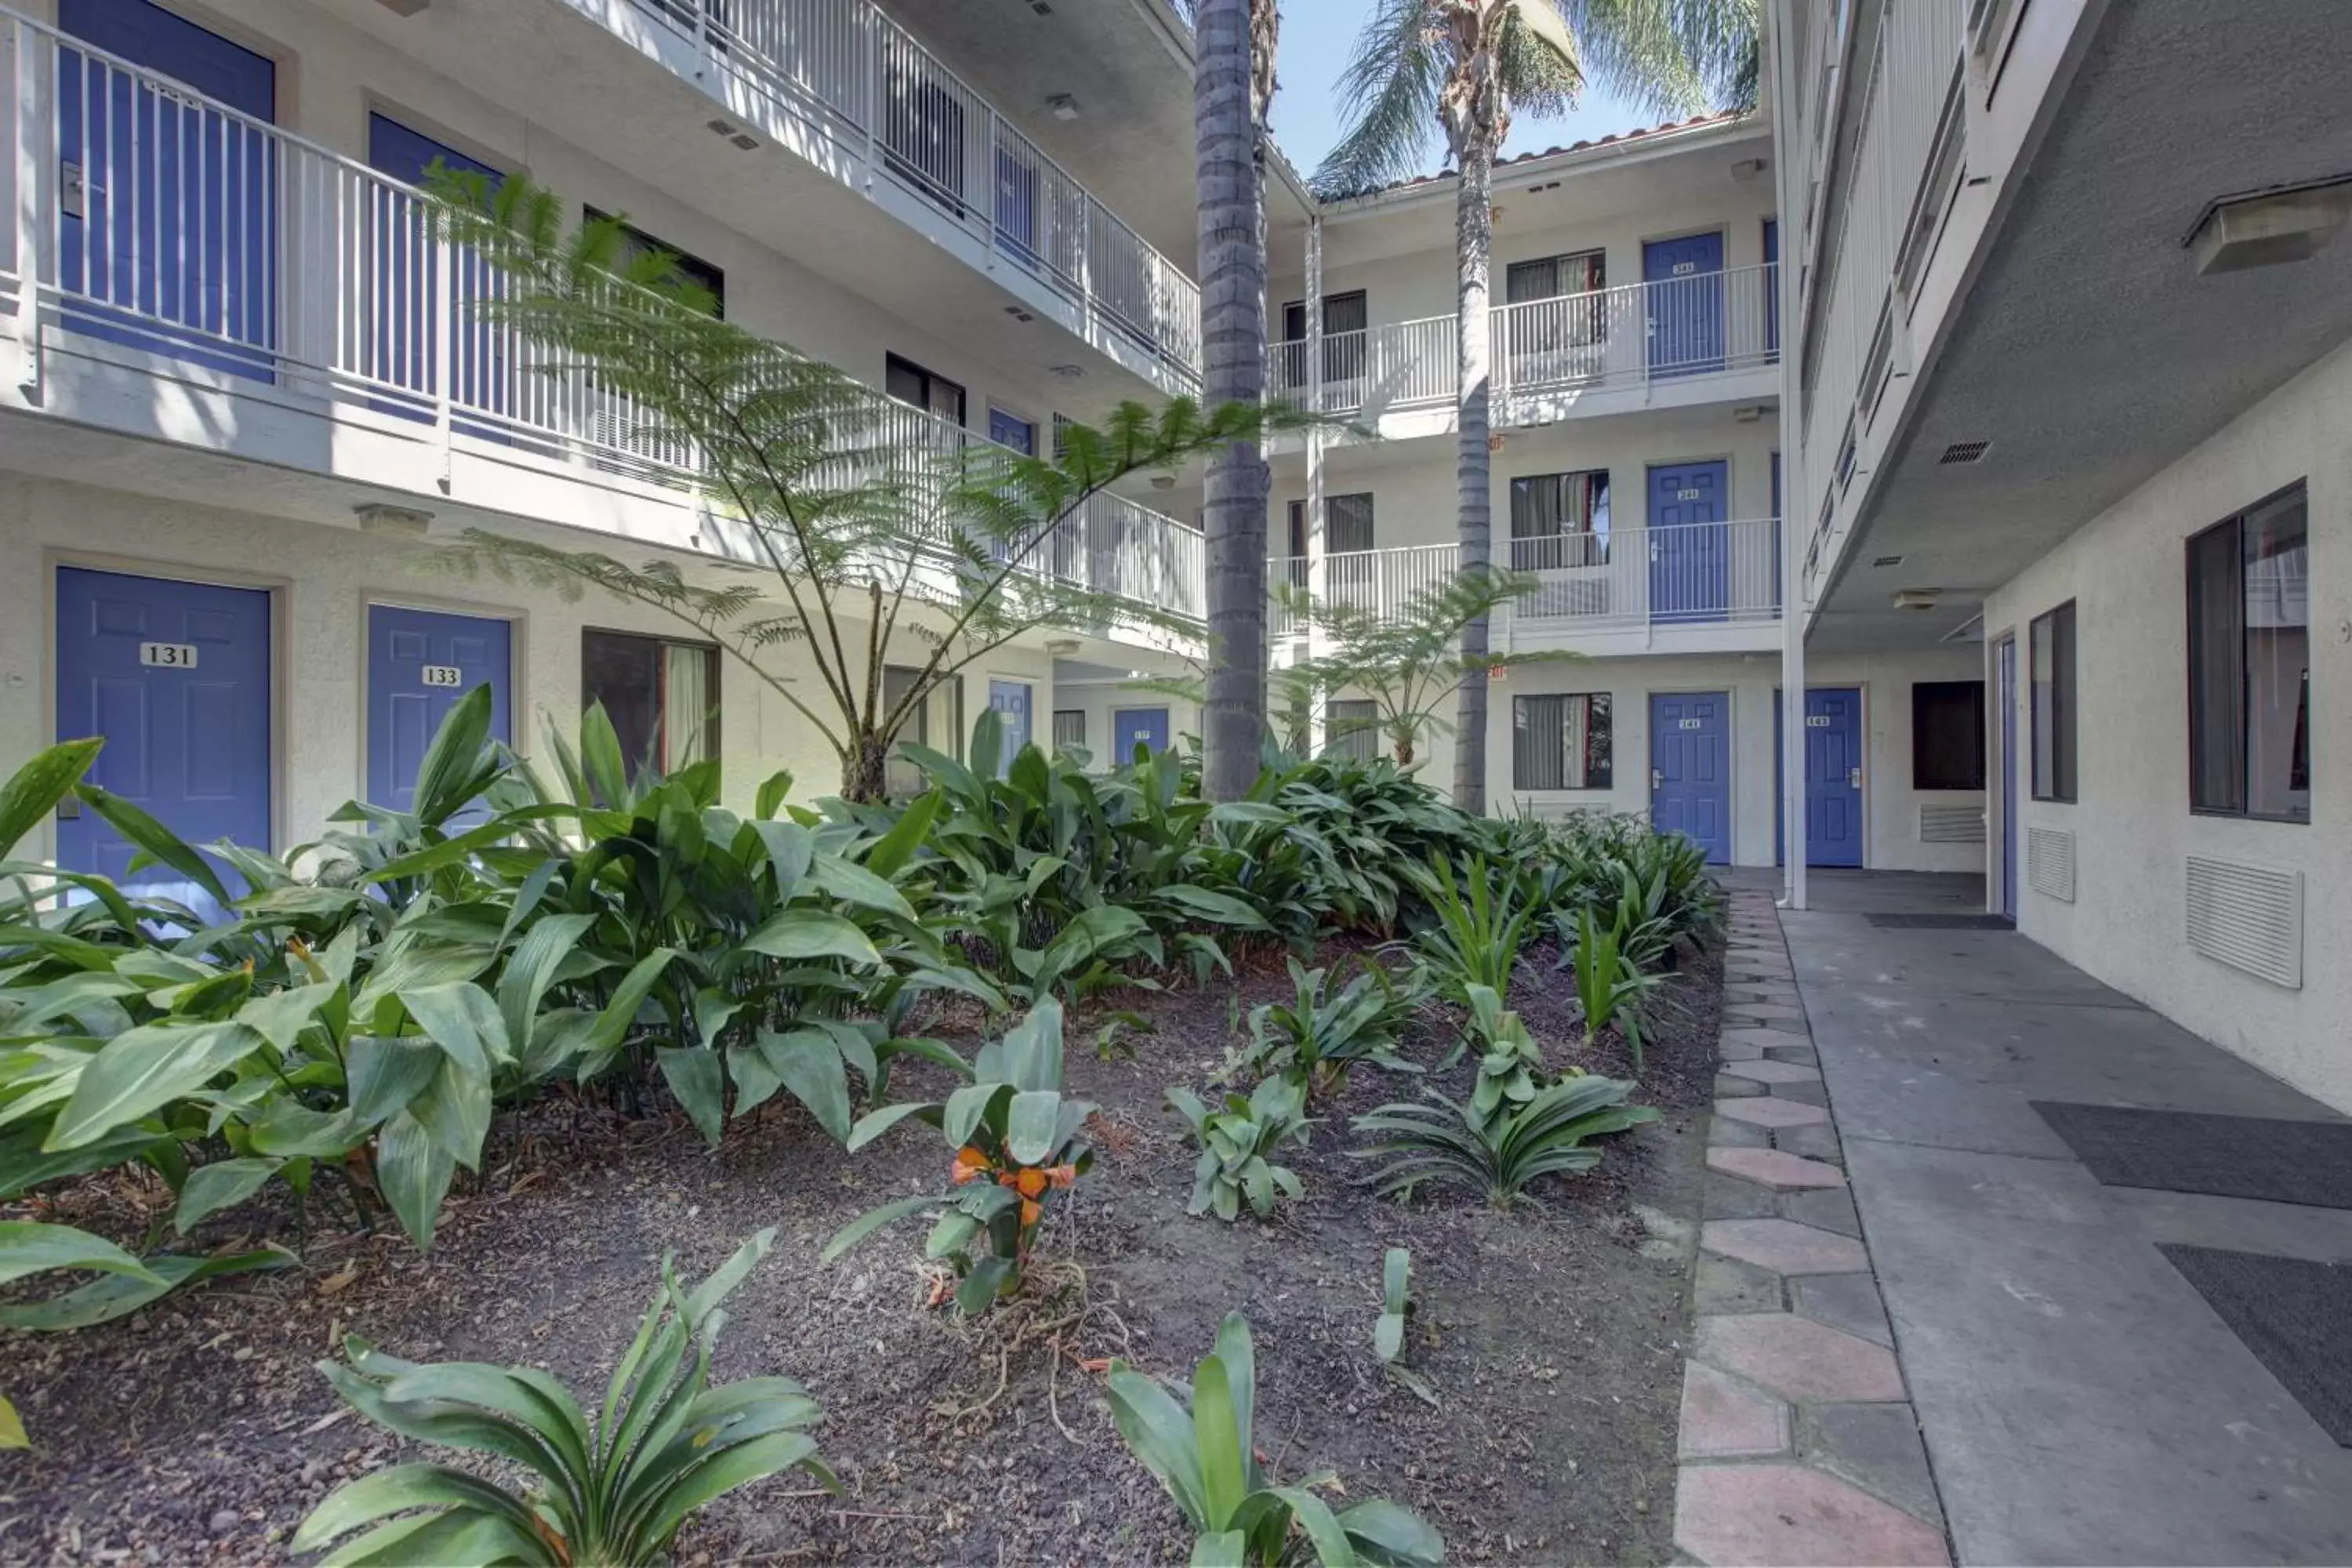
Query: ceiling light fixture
x=1917, y=599
x=1064, y=106
x=2262, y=228
x=391, y=521
x=1748, y=169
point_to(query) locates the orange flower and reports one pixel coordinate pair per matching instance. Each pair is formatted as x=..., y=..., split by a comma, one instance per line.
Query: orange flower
x=1030, y=1210
x=1030, y=1182
x=1062, y=1175
x=968, y=1162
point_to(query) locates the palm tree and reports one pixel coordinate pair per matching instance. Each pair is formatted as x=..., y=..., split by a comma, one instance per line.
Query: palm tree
x=1232, y=81
x=1464, y=65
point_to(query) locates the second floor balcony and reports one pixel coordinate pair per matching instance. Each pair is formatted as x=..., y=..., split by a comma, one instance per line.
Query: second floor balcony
x=177, y=269
x=1702, y=338
x=1691, y=585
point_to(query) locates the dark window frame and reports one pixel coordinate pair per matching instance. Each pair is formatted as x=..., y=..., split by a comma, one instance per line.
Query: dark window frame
x=932, y=381
x=713, y=734
x=689, y=266
x=1598, y=705
x=2057, y=625
x=1356, y=733
x=2237, y=665
x=1948, y=697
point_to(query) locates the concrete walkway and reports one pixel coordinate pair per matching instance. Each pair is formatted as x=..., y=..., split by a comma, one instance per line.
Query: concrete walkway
x=2081, y=1401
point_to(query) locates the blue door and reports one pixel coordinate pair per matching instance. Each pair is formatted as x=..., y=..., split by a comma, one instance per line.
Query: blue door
x=1833, y=751
x=2008, y=699
x=175, y=677
x=1133, y=727
x=1012, y=430
x=420, y=662
x=1011, y=701
x=1773, y=299
x=1690, y=568
x=167, y=226
x=1686, y=303
x=1690, y=768
x=408, y=292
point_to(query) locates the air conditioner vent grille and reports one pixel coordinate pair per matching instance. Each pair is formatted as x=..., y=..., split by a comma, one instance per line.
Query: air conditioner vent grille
x=1951, y=824
x=2049, y=862
x=2249, y=917
x=1964, y=452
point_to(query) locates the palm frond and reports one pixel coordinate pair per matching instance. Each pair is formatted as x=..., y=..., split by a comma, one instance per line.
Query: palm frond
x=1390, y=93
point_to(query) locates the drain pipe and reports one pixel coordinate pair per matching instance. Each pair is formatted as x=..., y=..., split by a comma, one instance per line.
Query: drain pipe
x=1780, y=41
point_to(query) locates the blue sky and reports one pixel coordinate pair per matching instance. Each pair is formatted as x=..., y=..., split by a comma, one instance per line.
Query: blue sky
x=1318, y=37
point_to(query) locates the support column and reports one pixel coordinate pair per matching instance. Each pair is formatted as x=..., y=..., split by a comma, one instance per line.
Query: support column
x=1786, y=130
x=1317, y=571
x=35, y=183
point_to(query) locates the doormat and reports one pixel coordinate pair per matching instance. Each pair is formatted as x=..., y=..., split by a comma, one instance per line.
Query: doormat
x=2271, y=1158
x=1943, y=922
x=2295, y=1315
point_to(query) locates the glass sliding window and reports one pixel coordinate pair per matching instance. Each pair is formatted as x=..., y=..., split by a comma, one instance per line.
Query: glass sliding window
x=1947, y=734
x=662, y=697
x=2053, y=657
x=1556, y=328
x=1069, y=728
x=636, y=242
x=936, y=722
x=1351, y=727
x=911, y=383
x=2249, y=663
x=1560, y=741
x=1559, y=520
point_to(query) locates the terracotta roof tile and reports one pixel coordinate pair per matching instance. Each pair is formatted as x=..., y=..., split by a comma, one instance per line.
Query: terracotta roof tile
x=1640, y=133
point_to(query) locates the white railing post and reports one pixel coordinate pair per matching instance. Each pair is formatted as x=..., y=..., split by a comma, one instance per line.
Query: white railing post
x=445, y=343
x=869, y=49
x=36, y=178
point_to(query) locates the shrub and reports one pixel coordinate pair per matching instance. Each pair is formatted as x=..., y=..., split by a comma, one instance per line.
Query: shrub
x=1016, y=1148
x=1611, y=987
x=1236, y=1144
x=1204, y=1452
x=1317, y=1036
x=1444, y=1142
x=611, y=1489
x=1475, y=932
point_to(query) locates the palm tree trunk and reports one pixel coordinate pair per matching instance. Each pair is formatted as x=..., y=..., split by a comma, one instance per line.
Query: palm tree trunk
x=1473, y=235
x=1232, y=332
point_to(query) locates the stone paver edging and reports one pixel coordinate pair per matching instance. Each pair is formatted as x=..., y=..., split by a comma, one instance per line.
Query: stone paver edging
x=1798, y=1444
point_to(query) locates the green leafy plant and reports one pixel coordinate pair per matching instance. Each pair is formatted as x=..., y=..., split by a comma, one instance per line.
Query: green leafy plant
x=1236, y=1145
x=1442, y=1141
x=609, y=1489
x=1017, y=1148
x=1390, y=1329
x=1475, y=932
x=1317, y=1035
x=124, y=1285
x=1611, y=987
x=1510, y=1063
x=1204, y=1450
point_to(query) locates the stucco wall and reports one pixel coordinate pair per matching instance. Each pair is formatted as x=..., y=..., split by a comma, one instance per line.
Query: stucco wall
x=324, y=578
x=2132, y=825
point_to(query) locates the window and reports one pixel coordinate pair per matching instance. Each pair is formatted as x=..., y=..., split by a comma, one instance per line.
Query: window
x=1011, y=700
x=2053, y=704
x=1345, y=318
x=1947, y=734
x=1069, y=728
x=911, y=383
x=1351, y=727
x=662, y=697
x=1554, y=276
x=1559, y=329
x=1559, y=520
x=1560, y=741
x=636, y=242
x=1347, y=524
x=2249, y=663
x=937, y=722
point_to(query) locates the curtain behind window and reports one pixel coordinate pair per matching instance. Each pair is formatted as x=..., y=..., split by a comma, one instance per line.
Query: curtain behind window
x=689, y=708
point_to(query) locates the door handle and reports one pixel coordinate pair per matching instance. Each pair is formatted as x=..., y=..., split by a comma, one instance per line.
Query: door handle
x=1854, y=778
x=1657, y=778
x=69, y=809
x=70, y=187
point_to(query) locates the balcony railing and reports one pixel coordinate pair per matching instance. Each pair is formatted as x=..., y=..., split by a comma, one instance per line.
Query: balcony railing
x=1634, y=335
x=162, y=230
x=1693, y=573
x=861, y=80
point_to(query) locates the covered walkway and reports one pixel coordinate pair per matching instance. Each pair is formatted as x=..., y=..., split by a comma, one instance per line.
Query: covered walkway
x=2081, y=1400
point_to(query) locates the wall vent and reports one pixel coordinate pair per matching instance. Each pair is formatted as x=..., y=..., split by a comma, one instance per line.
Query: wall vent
x=1964, y=452
x=2249, y=917
x=2049, y=862
x=1951, y=823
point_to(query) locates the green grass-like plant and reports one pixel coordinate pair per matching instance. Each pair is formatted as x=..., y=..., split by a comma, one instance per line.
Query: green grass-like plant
x=1319, y=1036
x=1203, y=1451
x=1476, y=929
x=608, y=1489
x=1611, y=987
x=1441, y=1141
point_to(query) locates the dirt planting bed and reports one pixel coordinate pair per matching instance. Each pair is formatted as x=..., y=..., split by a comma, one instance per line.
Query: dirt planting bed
x=198, y=1431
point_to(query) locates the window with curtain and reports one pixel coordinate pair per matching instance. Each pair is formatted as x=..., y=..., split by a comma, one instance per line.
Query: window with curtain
x=936, y=722
x=2052, y=664
x=636, y=242
x=1559, y=520
x=1559, y=312
x=1069, y=728
x=1947, y=734
x=1351, y=727
x=1347, y=524
x=662, y=697
x=911, y=383
x=2249, y=663
x=1560, y=741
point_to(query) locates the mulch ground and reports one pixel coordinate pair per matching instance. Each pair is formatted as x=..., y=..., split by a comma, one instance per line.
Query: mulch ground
x=199, y=1431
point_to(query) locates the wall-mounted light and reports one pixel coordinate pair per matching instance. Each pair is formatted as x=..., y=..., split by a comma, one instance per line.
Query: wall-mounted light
x=2262, y=228
x=1917, y=599
x=391, y=521
x=1748, y=169
x=1749, y=413
x=1064, y=106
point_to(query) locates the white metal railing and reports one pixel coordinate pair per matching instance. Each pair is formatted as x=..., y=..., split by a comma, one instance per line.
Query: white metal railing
x=1385, y=581
x=1285, y=577
x=864, y=81
x=154, y=226
x=1866, y=212
x=1699, y=325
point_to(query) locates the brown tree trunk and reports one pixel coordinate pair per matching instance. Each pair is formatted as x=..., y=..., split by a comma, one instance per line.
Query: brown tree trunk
x=864, y=769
